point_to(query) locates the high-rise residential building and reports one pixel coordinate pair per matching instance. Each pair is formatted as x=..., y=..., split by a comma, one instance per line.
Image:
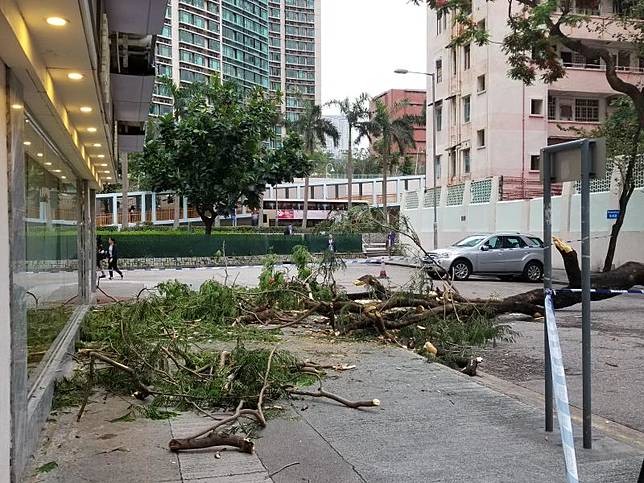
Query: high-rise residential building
x=491, y=125
x=342, y=125
x=408, y=102
x=274, y=44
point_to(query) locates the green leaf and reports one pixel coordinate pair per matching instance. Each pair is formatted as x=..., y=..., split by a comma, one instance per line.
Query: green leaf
x=47, y=467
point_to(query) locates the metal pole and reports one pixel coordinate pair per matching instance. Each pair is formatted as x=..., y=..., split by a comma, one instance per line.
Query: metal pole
x=434, y=159
x=547, y=280
x=585, y=294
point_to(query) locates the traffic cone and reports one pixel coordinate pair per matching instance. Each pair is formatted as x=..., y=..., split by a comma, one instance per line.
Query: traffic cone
x=383, y=270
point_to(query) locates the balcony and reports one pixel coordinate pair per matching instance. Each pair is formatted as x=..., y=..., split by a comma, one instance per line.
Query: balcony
x=132, y=75
x=599, y=27
x=568, y=129
x=581, y=79
x=143, y=17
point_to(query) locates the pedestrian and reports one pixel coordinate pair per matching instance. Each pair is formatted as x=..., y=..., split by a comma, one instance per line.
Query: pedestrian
x=113, y=258
x=391, y=239
x=254, y=218
x=331, y=244
x=288, y=231
x=100, y=255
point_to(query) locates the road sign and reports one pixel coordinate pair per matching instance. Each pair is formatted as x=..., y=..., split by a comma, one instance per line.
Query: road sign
x=612, y=214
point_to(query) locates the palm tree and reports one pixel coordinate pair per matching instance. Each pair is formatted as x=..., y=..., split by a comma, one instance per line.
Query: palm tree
x=356, y=112
x=313, y=128
x=390, y=133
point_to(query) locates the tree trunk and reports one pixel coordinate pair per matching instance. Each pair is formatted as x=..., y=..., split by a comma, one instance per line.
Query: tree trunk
x=305, y=212
x=208, y=222
x=384, y=189
x=628, y=187
x=350, y=172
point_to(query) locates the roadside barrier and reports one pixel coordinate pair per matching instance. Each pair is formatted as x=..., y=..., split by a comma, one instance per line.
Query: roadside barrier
x=560, y=391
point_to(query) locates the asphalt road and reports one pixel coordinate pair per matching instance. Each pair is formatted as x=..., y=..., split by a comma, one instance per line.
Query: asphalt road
x=617, y=336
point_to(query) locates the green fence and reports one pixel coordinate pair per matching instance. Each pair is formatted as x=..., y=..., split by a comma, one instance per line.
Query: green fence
x=163, y=245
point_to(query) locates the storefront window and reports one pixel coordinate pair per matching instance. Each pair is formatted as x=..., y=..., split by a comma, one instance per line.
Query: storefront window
x=49, y=282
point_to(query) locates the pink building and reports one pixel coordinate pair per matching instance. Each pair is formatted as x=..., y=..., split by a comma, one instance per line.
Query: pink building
x=490, y=125
x=415, y=100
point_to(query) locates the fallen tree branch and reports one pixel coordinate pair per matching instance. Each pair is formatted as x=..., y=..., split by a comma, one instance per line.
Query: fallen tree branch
x=329, y=395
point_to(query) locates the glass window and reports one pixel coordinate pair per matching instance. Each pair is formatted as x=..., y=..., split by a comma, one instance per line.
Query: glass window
x=480, y=83
x=494, y=243
x=536, y=107
x=470, y=241
x=466, y=160
x=514, y=241
x=466, y=109
x=466, y=57
x=535, y=162
x=439, y=116
x=480, y=138
x=587, y=110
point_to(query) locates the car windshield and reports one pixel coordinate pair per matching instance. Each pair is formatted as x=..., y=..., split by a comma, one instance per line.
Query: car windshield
x=470, y=241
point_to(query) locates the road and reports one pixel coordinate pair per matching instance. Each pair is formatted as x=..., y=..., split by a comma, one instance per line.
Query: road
x=617, y=336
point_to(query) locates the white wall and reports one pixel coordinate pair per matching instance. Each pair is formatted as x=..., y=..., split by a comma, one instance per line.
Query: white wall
x=527, y=216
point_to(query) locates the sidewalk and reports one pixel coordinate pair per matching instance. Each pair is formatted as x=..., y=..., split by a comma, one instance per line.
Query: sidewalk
x=434, y=425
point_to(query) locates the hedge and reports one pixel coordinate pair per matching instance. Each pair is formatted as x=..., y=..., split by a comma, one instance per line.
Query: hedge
x=166, y=245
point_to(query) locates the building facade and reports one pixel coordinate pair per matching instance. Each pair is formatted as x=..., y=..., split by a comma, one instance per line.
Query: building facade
x=490, y=125
x=408, y=102
x=76, y=80
x=258, y=43
x=342, y=125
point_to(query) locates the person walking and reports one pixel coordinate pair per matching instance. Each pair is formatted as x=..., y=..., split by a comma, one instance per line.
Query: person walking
x=100, y=255
x=113, y=258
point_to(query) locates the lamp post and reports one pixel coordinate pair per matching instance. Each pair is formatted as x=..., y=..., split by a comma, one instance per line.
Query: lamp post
x=405, y=71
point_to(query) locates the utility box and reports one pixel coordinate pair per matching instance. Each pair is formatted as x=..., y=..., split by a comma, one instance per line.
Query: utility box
x=565, y=160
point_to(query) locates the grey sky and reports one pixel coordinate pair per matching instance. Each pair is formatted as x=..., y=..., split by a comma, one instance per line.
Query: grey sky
x=363, y=41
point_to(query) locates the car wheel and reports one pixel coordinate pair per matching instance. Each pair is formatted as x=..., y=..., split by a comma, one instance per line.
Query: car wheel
x=461, y=269
x=533, y=272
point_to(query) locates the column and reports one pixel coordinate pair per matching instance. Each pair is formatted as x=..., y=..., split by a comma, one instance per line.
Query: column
x=143, y=219
x=125, y=218
x=92, y=220
x=374, y=196
x=299, y=192
x=324, y=191
x=176, y=204
x=115, y=210
x=398, y=190
x=494, y=198
x=185, y=209
x=84, y=240
x=154, y=208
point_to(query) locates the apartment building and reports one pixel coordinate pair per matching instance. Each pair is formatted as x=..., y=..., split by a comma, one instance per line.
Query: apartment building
x=489, y=124
x=341, y=123
x=76, y=82
x=408, y=102
x=258, y=43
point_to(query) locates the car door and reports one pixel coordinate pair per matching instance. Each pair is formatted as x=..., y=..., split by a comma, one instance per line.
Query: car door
x=513, y=253
x=489, y=258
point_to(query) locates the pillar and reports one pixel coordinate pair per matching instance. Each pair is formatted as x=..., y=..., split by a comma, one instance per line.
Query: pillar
x=115, y=210
x=92, y=218
x=143, y=218
x=185, y=209
x=154, y=208
x=125, y=219
x=85, y=242
x=374, y=196
x=398, y=190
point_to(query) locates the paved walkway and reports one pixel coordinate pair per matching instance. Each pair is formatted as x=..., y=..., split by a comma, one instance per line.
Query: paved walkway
x=434, y=425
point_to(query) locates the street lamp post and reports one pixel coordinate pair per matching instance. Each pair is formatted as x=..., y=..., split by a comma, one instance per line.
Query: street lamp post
x=405, y=71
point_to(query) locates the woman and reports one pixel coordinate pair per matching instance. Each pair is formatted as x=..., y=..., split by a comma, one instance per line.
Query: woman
x=100, y=255
x=113, y=258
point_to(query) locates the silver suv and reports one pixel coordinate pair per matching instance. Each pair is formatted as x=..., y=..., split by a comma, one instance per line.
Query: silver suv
x=505, y=255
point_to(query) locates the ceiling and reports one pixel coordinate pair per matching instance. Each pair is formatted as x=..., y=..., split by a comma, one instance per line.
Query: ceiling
x=54, y=99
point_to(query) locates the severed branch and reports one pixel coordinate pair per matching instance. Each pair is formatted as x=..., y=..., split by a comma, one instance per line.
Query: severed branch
x=215, y=438
x=329, y=395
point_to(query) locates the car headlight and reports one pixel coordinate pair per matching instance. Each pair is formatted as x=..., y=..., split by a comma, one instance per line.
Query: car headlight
x=439, y=256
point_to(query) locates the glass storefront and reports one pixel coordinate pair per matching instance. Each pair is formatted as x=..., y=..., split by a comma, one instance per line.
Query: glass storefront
x=46, y=279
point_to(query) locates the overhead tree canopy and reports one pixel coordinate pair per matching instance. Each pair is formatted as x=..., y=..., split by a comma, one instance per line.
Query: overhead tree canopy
x=214, y=148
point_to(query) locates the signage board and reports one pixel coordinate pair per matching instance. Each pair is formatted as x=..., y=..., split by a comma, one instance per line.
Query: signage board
x=612, y=214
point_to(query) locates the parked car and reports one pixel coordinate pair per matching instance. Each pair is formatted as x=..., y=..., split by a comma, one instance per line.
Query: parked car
x=506, y=255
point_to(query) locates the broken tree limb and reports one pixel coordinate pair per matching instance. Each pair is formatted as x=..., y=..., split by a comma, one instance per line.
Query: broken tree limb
x=143, y=390
x=215, y=438
x=329, y=395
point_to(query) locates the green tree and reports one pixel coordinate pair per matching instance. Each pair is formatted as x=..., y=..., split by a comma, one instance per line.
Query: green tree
x=537, y=30
x=213, y=148
x=390, y=132
x=313, y=129
x=625, y=148
x=356, y=112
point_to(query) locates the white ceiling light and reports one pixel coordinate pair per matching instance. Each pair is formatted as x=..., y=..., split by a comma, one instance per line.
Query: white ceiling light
x=102, y=165
x=109, y=177
x=91, y=129
x=27, y=143
x=55, y=170
x=97, y=145
x=40, y=155
x=85, y=109
x=56, y=21
x=100, y=156
x=47, y=163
